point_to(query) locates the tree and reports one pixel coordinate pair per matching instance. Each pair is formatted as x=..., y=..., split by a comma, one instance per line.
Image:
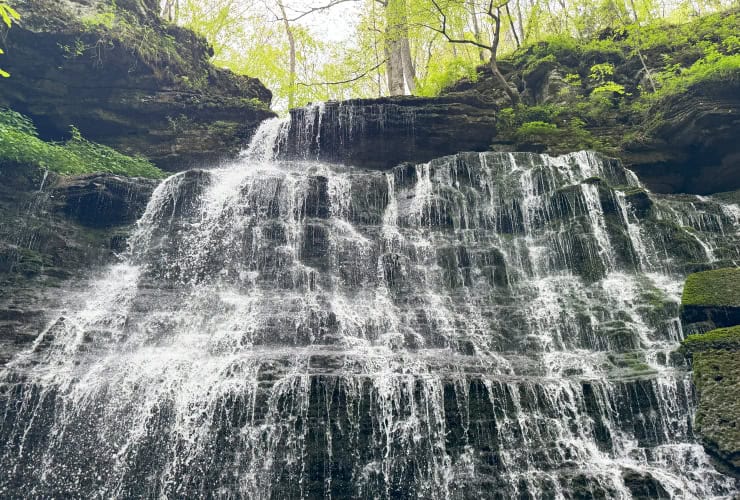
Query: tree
x=9, y=16
x=493, y=13
x=400, y=69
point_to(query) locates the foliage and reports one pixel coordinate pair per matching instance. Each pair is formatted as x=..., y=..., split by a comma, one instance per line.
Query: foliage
x=720, y=287
x=592, y=36
x=8, y=15
x=20, y=144
x=556, y=125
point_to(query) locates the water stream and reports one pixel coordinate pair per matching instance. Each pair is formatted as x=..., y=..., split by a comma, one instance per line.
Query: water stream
x=486, y=325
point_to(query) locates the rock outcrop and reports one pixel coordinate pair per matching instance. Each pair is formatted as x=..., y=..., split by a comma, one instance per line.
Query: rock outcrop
x=127, y=79
x=55, y=231
x=711, y=299
x=382, y=133
x=711, y=311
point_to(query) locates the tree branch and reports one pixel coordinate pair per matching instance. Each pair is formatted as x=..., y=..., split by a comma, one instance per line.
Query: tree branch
x=443, y=30
x=354, y=79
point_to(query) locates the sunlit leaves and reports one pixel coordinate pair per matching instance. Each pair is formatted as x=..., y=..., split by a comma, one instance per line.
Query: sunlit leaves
x=9, y=15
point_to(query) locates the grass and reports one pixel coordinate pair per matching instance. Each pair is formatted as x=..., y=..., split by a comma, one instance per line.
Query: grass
x=20, y=145
x=720, y=287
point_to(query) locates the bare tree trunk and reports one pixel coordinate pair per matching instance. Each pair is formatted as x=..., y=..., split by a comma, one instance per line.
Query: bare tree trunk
x=400, y=67
x=292, y=55
x=395, y=68
x=167, y=10
x=476, y=29
x=513, y=29
x=512, y=93
x=519, y=20
x=409, y=71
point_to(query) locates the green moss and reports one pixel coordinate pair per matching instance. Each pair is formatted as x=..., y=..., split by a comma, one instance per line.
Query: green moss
x=716, y=365
x=602, y=106
x=631, y=363
x=720, y=287
x=721, y=338
x=20, y=145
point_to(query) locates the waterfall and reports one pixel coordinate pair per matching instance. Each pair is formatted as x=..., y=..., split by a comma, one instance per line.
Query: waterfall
x=485, y=325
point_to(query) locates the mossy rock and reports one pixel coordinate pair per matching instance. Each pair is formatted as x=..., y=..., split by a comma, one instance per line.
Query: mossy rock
x=716, y=362
x=711, y=299
x=718, y=339
x=720, y=287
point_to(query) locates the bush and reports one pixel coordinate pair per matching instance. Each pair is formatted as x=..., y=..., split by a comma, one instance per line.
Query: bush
x=20, y=145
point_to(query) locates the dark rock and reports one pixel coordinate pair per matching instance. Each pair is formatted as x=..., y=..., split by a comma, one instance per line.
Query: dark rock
x=381, y=133
x=139, y=85
x=51, y=229
x=695, y=147
x=643, y=486
x=103, y=200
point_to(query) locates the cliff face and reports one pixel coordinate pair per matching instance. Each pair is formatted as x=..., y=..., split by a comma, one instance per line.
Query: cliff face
x=680, y=138
x=128, y=80
x=56, y=231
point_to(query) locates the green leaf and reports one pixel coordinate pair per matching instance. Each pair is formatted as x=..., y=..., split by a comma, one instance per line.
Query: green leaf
x=13, y=13
x=6, y=17
x=4, y=74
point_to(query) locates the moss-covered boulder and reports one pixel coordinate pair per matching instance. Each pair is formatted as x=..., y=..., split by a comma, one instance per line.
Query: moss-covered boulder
x=716, y=363
x=127, y=79
x=711, y=299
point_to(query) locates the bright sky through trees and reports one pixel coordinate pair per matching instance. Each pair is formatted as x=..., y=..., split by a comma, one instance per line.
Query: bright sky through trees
x=316, y=50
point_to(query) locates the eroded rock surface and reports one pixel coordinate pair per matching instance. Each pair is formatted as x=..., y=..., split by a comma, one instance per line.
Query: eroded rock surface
x=55, y=232
x=128, y=80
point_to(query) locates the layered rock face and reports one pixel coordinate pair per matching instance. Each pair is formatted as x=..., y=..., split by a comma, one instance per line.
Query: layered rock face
x=128, y=80
x=480, y=326
x=381, y=133
x=53, y=231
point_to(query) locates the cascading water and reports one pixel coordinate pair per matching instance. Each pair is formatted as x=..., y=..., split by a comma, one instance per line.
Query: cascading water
x=486, y=325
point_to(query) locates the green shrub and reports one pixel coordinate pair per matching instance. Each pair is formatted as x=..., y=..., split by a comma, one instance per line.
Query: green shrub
x=536, y=129
x=20, y=145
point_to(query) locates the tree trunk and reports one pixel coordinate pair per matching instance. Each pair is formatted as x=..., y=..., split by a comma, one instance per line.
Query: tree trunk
x=292, y=56
x=511, y=92
x=409, y=71
x=400, y=68
x=476, y=29
x=394, y=68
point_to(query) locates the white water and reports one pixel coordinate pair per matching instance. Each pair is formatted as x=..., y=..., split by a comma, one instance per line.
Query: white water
x=466, y=328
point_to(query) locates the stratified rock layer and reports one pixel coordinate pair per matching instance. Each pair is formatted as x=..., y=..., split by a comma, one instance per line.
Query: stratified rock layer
x=479, y=326
x=126, y=79
x=56, y=232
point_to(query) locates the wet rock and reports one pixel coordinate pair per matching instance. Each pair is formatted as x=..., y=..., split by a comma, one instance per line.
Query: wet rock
x=643, y=485
x=103, y=200
x=53, y=232
x=381, y=133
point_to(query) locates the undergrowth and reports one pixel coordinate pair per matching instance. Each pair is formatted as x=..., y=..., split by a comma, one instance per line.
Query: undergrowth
x=20, y=145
